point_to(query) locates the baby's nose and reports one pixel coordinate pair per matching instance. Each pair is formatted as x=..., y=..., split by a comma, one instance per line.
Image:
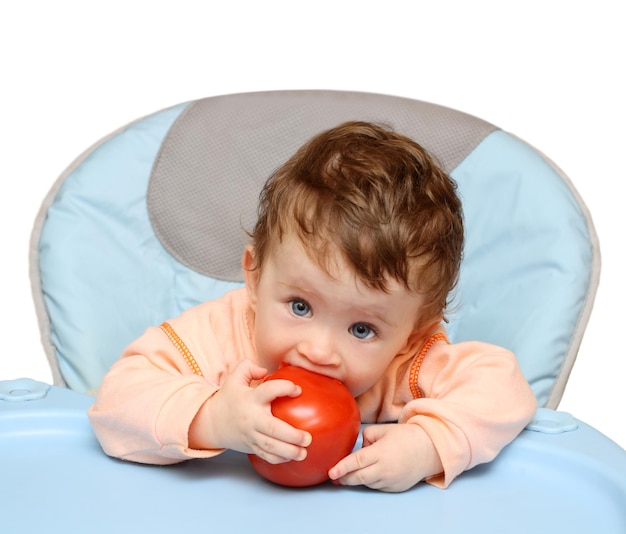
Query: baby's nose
x=320, y=350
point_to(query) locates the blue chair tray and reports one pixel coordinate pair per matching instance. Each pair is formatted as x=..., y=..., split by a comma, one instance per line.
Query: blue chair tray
x=559, y=475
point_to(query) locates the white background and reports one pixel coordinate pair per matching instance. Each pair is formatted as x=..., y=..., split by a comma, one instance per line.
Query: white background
x=551, y=72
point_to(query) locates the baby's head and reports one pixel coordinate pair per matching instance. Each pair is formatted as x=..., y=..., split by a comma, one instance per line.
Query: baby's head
x=377, y=198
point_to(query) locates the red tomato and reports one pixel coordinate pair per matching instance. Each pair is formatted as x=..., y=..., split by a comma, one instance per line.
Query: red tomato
x=328, y=411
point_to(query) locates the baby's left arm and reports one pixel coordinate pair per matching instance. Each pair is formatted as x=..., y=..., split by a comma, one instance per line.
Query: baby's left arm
x=476, y=400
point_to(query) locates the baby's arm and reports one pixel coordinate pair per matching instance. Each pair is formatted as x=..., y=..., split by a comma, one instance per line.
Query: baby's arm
x=152, y=409
x=476, y=402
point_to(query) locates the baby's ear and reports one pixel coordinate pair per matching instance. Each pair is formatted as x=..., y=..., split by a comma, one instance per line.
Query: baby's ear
x=250, y=274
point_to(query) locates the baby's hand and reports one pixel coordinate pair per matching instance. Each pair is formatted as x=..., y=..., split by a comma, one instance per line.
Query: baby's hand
x=239, y=417
x=394, y=458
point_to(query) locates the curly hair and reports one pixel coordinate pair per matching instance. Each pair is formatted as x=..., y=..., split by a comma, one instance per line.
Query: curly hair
x=377, y=197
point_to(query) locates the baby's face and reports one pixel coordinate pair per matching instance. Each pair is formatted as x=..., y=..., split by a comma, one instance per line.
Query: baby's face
x=333, y=325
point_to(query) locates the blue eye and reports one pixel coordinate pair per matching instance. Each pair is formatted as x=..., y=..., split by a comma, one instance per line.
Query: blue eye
x=300, y=308
x=362, y=331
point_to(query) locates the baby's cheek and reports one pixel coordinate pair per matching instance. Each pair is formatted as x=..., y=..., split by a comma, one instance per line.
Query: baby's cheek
x=359, y=385
x=358, y=381
x=269, y=360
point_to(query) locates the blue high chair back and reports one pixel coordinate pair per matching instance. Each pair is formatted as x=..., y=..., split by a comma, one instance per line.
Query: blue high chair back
x=151, y=220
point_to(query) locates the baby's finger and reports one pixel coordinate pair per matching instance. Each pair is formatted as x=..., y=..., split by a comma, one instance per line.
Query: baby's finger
x=247, y=371
x=350, y=470
x=272, y=389
x=277, y=429
x=372, y=433
x=275, y=451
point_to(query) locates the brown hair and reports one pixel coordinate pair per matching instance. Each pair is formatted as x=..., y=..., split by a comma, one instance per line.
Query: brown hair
x=376, y=196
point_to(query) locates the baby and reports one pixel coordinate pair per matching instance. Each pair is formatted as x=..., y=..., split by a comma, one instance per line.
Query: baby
x=348, y=272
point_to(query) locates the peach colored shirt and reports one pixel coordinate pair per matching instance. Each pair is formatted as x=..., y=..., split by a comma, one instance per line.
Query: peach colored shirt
x=474, y=400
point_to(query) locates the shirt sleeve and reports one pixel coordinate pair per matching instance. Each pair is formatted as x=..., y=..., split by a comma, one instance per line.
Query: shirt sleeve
x=146, y=403
x=476, y=401
x=150, y=396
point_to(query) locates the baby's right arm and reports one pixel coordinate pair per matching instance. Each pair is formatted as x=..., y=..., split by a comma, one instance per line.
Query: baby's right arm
x=146, y=402
x=151, y=409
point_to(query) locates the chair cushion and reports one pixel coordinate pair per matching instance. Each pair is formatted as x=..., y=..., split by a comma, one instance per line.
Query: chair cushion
x=152, y=220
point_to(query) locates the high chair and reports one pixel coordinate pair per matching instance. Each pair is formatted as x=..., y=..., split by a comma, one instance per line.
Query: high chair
x=152, y=220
